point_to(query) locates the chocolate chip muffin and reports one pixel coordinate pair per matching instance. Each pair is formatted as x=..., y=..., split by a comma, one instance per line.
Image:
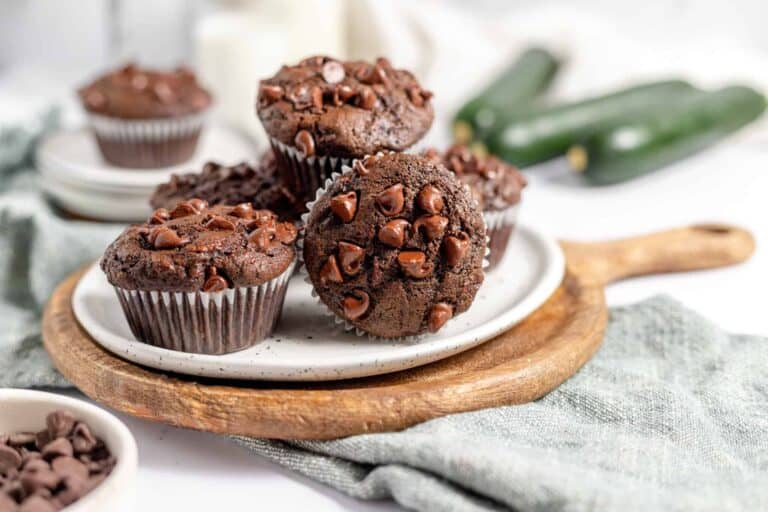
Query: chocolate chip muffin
x=202, y=279
x=231, y=185
x=146, y=118
x=395, y=246
x=322, y=113
x=496, y=186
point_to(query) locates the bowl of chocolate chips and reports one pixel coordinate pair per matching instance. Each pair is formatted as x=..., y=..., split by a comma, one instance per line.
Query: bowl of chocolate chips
x=62, y=454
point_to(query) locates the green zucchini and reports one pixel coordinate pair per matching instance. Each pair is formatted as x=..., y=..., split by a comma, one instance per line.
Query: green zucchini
x=530, y=75
x=540, y=135
x=656, y=140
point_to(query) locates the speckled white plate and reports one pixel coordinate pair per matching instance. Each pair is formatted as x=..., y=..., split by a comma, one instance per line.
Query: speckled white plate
x=74, y=174
x=306, y=347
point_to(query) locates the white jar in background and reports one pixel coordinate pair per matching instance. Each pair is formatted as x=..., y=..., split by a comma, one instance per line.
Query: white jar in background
x=240, y=42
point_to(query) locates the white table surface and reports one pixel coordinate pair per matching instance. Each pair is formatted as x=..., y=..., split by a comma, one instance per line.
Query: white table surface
x=191, y=471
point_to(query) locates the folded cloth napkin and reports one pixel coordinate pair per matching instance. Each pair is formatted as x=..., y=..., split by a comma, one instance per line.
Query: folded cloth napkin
x=671, y=414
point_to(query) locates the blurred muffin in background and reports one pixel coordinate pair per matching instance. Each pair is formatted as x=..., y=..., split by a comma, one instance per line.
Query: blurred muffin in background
x=146, y=118
x=232, y=185
x=496, y=186
x=323, y=113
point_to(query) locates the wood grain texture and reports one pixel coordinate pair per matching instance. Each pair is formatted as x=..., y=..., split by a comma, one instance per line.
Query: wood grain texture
x=518, y=366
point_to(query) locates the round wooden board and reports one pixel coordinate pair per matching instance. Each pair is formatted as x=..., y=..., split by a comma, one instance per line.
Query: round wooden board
x=518, y=366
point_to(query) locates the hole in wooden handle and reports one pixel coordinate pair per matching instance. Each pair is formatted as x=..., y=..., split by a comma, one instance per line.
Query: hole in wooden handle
x=715, y=229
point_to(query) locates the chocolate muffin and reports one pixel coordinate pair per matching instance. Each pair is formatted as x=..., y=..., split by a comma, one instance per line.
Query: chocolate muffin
x=496, y=186
x=322, y=113
x=395, y=246
x=243, y=183
x=146, y=118
x=202, y=279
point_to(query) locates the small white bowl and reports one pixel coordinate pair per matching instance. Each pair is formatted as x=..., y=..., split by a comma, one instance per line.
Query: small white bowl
x=25, y=411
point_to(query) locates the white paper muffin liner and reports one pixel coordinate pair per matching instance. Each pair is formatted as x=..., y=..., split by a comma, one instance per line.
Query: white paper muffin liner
x=147, y=143
x=206, y=322
x=335, y=320
x=500, y=226
x=305, y=174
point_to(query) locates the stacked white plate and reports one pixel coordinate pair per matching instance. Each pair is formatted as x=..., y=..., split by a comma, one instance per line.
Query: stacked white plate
x=79, y=180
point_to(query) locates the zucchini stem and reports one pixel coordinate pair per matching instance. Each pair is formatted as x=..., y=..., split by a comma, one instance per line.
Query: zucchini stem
x=577, y=158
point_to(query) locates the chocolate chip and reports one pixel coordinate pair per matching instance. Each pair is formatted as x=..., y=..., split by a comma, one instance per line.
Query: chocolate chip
x=356, y=304
x=391, y=200
x=414, y=94
x=83, y=440
x=263, y=238
x=342, y=94
x=393, y=233
x=36, y=464
x=140, y=81
x=438, y=315
x=165, y=238
x=414, y=264
x=57, y=448
x=220, y=223
x=333, y=72
x=9, y=458
x=317, y=97
x=359, y=167
x=305, y=143
x=198, y=204
x=330, y=272
x=344, y=206
x=69, y=467
x=164, y=93
x=271, y=93
x=433, y=226
x=215, y=283
x=286, y=233
x=242, y=211
x=456, y=248
x=186, y=208
x=159, y=216
x=302, y=97
x=367, y=98
x=350, y=257
x=95, y=99
x=430, y=199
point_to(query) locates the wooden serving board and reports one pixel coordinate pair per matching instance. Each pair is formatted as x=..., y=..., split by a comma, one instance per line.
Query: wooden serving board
x=518, y=366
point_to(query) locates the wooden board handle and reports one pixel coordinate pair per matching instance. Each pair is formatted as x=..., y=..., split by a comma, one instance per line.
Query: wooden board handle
x=677, y=250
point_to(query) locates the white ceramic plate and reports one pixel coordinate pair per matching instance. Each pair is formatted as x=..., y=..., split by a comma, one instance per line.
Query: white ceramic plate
x=75, y=175
x=306, y=347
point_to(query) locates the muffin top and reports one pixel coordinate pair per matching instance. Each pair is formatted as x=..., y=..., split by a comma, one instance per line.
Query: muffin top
x=135, y=93
x=395, y=246
x=195, y=247
x=243, y=183
x=324, y=106
x=494, y=184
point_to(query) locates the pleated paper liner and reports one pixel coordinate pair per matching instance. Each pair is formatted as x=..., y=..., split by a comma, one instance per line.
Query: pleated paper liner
x=206, y=322
x=147, y=143
x=500, y=226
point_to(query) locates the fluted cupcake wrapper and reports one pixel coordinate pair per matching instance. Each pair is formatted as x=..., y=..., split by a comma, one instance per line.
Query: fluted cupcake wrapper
x=147, y=143
x=339, y=322
x=500, y=226
x=206, y=322
x=305, y=174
